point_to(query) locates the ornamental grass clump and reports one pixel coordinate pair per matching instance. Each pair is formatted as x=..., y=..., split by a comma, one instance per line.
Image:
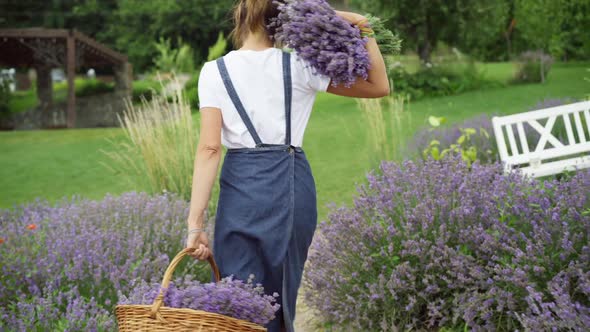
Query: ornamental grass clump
x=230, y=297
x=331, y=45
x=97, y=247
x=441, y=244
x=160, y=140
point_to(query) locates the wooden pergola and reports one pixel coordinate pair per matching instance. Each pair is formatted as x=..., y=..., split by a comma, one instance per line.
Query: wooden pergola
x=45, y=49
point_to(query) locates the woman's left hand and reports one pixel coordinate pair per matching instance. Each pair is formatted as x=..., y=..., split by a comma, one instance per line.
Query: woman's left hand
x=200, y=243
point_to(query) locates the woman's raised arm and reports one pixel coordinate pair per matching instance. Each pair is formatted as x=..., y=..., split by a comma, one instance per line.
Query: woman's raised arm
x=377, y=83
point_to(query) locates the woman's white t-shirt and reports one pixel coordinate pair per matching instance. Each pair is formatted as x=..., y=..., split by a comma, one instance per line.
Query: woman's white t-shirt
x=258, y=79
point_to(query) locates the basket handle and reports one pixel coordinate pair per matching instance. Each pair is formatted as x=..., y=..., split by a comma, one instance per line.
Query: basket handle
x=168, y=276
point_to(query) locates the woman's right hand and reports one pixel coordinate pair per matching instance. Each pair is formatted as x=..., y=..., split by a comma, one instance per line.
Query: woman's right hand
x=377, y=83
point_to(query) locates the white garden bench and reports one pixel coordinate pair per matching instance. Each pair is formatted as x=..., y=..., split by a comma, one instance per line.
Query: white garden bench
x=543, y=159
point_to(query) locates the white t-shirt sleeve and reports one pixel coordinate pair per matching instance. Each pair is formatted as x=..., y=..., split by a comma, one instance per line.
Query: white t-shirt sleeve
x=315, y=81
x=209, y=81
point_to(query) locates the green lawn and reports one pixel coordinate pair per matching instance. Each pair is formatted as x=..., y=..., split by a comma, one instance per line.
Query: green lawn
x=57, y=163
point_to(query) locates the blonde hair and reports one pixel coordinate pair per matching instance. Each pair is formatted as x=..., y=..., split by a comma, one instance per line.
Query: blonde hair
x=252, y=16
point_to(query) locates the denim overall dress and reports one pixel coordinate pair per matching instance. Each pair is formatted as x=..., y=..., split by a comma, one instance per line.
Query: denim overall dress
x=267, y=212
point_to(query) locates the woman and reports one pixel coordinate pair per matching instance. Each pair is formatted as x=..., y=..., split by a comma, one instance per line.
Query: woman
x=256, y=101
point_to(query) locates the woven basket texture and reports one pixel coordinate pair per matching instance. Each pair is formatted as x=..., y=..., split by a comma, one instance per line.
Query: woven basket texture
x=157, y=318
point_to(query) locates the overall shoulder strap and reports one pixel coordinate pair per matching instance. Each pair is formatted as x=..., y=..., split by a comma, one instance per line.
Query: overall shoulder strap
x=288, y=94
x=229, y=86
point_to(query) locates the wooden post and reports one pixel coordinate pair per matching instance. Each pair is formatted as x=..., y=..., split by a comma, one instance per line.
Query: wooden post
x=123, y=79
x=44, y=94
x=71, y=72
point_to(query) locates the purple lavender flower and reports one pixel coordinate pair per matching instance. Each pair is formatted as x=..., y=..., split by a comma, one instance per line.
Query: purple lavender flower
x=440, y=244
x=56, y=311
x=230, y=297
x=97, y=247
x=331, y=45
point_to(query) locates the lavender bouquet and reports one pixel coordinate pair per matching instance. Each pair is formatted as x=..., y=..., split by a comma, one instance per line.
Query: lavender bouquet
x=389, y=42
x=229, y=297
x=331, y=45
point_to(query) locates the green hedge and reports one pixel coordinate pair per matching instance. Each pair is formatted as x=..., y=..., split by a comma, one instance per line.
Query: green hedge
x=192, y=92
x=145, y=88
x=437, y=80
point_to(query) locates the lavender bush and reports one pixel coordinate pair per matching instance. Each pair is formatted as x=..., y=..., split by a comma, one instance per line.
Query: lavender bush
x=56, y=311
x=441, y=244
x=551, y=102
x=533, y=67
x=234, y=298
x=95, y=247
x=331, y=45
x=482, y=140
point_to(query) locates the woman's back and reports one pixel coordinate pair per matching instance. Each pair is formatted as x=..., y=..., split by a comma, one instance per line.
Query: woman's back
x=267, y=207
x=258, y=79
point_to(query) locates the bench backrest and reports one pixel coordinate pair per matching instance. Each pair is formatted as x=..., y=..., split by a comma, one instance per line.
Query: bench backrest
x=520, y=150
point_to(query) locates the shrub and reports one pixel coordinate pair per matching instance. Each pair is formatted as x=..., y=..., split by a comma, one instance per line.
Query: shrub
x=533, y=67
x=431, y=142
x=441, y=244
x=145, y=89
x=191, y=87
x=552, y=102
x=160, y=145
x=92, y=248
x=84, y=87
x=192, y=91
x=91, y=87
x=56, y=311
x=436, y=80
x=170, y=59
x=435, y=139
x=218, y=49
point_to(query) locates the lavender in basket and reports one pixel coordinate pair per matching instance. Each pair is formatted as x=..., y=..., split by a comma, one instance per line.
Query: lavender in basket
x=229, y=297
x=331, y=45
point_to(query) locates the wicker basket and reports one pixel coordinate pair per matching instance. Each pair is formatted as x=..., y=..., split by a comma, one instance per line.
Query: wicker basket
x=155, y=317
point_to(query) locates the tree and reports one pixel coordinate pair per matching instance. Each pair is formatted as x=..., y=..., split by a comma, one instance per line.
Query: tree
x=559, y=27
x=423, y=23
x=129, y=26
x=480, y=29
x=48, y=14
x=95, y=18
x=195, y=22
